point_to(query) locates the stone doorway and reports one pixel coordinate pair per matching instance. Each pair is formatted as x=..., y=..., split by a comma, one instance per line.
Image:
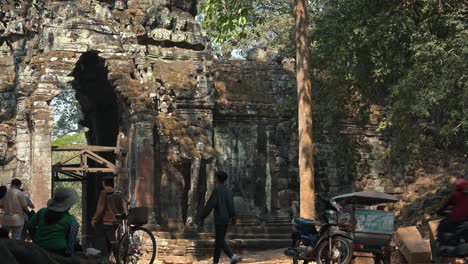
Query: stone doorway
x=101, y=118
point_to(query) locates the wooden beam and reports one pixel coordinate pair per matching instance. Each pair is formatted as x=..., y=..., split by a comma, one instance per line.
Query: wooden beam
x=87, y=170
x=72, y=175
x=66, y=180
x=85, y=147
x=70, y=158
x=98, y=158
x=68, y=165
x=85, y=152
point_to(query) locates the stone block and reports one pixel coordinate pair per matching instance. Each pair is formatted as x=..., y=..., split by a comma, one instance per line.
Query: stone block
x=363, y=258
x=179, y=251
x=177, y=260
x=283, y=184
x=283, y=197
x=183, y=242
x=393, y=190
x=413, y=247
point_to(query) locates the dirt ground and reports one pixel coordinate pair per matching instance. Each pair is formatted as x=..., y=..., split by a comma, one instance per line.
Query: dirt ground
x=258, y=257
x=276, y=257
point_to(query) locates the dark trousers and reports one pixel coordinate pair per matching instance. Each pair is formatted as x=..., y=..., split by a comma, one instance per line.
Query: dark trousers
x=111, y=241
x=446, y=226
x=220, y=233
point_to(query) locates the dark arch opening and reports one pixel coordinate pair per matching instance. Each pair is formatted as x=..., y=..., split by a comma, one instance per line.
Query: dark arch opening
x=97, y=99
x=100, y=115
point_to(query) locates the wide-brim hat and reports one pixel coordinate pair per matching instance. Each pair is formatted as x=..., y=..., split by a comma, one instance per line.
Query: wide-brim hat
x=3, y=191
x=63, y=200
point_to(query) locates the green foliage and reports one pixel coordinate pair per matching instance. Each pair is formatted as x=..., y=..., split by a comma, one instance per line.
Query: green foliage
x=267, y=24
x=410, y=56
x=228, y=18
x=67, y=140
x=66, y=112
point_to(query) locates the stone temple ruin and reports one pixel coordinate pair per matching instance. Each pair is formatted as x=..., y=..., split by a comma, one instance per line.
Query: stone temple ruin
x=143, y=73
x=147, y=82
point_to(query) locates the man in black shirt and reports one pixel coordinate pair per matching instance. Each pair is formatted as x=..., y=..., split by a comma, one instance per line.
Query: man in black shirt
x=222, y=203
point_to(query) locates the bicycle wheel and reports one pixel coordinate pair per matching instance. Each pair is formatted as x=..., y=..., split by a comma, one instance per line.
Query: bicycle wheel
x=122, y=250
x=137, y=247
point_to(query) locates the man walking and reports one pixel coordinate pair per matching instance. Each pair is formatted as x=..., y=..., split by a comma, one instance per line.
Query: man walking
x=14, y=203
x=110, y=203
x=222, y=203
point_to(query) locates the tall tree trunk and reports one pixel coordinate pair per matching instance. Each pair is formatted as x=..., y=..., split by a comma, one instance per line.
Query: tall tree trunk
x=304, y=98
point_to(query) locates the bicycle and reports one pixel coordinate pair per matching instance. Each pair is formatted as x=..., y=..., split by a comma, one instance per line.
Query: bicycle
x=136, y=244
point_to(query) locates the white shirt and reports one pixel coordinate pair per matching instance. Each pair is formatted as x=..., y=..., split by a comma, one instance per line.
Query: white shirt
x=13, y=203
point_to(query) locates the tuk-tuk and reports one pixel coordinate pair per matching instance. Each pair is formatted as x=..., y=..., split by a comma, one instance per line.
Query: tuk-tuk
x=373, y=223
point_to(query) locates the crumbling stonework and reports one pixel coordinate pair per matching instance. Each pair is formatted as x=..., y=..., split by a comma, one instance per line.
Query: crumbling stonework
x=143, y=75
x=146, y=81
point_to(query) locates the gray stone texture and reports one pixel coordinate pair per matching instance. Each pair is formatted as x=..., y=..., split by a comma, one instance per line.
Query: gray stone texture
x=143, y=72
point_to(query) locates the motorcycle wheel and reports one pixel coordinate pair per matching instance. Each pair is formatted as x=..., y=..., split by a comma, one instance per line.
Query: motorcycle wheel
x=295, y=261
x=342, y=245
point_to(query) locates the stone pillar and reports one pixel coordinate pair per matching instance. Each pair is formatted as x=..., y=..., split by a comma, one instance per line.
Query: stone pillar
x=143, y=150
x=210, y=183
x=41, y=158
x=210, y=177
x=41, y=124
x=193, y=192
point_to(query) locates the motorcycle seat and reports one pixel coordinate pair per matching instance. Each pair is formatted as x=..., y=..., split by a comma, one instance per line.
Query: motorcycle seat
x=304, y=222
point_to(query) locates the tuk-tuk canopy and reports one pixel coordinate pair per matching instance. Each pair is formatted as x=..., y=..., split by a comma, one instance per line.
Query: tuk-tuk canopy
x=366, y=198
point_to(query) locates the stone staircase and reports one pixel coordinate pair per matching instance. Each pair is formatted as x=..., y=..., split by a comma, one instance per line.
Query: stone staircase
x=250, y=233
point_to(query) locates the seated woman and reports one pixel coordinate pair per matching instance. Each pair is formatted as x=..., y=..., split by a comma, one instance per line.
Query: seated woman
x=54, y=228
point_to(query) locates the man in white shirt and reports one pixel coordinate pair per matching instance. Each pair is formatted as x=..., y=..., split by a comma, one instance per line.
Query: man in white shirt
x=14, y=203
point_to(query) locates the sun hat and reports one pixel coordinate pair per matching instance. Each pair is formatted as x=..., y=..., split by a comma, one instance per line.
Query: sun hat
x=64, y=199
x=3, y=191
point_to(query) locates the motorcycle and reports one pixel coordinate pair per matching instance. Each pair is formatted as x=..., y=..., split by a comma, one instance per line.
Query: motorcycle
x=329, y=244
x=454, y=244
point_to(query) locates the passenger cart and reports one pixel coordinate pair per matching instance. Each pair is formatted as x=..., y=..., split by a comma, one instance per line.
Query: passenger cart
x=373, y=222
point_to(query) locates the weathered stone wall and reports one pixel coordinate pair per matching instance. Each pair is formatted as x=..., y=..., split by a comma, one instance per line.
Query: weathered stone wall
x=146, y=81
x=251, y=136
x=350, y=158
x=150, y=54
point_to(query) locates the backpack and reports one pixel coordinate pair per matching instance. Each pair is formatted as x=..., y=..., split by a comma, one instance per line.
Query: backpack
x=121, y=204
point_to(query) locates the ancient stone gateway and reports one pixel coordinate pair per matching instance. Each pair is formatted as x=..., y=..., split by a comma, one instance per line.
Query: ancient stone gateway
x=146, y=81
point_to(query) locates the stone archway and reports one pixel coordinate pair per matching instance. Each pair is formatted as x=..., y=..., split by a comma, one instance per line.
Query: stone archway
x=98, y=100
x=101, y=116
x=145, y=78
x=101, y=81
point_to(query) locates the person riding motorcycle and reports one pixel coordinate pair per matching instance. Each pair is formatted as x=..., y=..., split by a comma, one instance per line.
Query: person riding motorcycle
x=458, y=205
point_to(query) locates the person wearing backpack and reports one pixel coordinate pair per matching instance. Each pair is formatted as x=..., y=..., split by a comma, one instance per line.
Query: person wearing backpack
x=110, y=203
x=53, y=228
